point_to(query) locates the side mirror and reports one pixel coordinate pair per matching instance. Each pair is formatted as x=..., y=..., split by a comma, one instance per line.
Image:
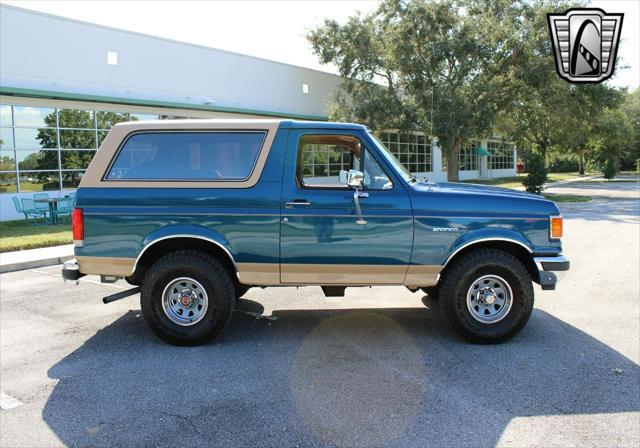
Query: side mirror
x=352, y=178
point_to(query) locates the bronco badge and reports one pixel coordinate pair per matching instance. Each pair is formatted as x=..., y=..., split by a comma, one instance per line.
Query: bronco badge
x=585, y=43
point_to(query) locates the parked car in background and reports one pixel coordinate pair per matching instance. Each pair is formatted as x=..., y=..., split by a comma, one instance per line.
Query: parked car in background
x=195, y=212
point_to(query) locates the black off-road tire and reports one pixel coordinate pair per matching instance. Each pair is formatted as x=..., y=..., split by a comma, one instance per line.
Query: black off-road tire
x=206, y=270
x=432, y=291
x=241, y=290
x=460, y=276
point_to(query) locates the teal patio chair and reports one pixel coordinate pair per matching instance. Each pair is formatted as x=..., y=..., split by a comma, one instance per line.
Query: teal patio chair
x=65, y=207
x=41, y=205
x=71, y=195
x=29, y=210
x=18, y=207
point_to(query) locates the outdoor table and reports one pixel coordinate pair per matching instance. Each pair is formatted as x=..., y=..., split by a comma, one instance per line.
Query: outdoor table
x=53, y=208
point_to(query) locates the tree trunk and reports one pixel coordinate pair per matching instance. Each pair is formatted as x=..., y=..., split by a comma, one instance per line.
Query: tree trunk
x=453, y=167
x=581, y=161
x=543, y=151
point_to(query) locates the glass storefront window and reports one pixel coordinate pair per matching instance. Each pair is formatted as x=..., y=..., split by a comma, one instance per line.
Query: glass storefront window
x=501, y=155
x=413, y=150
x=171, y=117
x=5, y=115
x=71, y=179
x=36, y=138
x=6, y=138
x=101, y=136
x=76, y=119
x=8, y=183
x=143, y=117
x=7, y=161
x=43, y=148
x=37, y=159
x=73, y=139
x=106, y=120
x=34, y=117
x=73, y=160
x=40, y=181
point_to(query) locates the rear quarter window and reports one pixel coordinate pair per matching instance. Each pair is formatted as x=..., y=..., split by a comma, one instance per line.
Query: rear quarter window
x=187, y=156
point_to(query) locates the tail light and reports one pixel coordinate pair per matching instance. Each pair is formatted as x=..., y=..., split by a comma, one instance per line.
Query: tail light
x=555, y=227
x=77, y=224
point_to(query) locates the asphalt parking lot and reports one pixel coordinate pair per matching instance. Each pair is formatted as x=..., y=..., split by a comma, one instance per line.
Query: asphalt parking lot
x=379, y=367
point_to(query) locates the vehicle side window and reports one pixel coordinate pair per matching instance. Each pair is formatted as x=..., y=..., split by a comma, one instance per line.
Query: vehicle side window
x=321, y=157
x=188, y=156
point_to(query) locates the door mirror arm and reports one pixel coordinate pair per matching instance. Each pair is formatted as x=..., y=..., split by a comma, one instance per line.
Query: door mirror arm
x=354, y=179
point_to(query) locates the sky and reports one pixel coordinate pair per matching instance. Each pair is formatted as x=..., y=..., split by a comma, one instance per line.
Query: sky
x=276, y=29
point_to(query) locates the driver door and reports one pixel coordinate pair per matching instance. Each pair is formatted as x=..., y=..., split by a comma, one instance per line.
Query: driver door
x=320, y=240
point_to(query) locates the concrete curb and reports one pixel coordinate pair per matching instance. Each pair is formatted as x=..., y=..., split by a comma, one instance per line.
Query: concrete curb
x=35, y=258
x=12, y=267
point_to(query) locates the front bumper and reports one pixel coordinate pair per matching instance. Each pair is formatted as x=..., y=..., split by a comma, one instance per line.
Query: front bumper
x=71, y=270
x=551, y=270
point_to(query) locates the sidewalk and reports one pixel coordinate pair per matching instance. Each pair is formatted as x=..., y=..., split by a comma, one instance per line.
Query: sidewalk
x=35, y=258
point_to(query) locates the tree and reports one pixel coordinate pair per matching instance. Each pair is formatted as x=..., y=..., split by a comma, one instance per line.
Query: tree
x=369, y=92
x=537, y=173
x=6, y=163
x=631, y=108
x=547, y=112
x=438, y=64
x=611, y=137
x=81, y=136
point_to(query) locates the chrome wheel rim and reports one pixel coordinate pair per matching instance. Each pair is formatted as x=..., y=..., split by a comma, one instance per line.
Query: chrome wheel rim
x=185, y=301
x=489, y=299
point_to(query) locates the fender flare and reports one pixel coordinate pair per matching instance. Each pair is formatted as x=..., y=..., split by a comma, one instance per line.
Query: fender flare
x=185, y=231
x=487, y=235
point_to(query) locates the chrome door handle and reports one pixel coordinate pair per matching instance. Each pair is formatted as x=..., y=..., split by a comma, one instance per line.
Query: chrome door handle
x=297, y=202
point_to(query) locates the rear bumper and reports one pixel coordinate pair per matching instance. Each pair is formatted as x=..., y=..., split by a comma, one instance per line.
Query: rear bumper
x=551, y=270
x=71, y=270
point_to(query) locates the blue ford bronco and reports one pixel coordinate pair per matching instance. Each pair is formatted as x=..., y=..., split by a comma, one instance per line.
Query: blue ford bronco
x=195, y=212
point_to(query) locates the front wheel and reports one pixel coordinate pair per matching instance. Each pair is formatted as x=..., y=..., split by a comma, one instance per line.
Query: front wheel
x=187, y=297
x=431, y=291
x=487, y=296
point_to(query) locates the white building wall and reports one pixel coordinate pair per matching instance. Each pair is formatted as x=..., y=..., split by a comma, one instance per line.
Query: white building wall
x=45, y=52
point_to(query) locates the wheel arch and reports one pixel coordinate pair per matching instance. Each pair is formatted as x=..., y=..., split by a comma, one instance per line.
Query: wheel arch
x=157, y=245
x=515, y=247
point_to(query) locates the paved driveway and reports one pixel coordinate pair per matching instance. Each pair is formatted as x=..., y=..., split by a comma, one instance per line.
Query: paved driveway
x=379, y=367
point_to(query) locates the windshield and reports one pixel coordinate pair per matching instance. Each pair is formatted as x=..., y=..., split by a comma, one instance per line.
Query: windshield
x=389, y=157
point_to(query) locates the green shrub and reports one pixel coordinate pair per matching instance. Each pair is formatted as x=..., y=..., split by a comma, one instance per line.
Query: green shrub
x=638, y=166
x=535, y=165
x=610, y=168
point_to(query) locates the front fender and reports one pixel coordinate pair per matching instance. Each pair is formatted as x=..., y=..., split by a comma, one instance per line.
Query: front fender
x=488, y=234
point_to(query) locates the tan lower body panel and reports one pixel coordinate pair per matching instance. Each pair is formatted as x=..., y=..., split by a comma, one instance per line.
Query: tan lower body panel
x=422, y=275
x=343, y=274
x=349, y=274
x=259, y=273
x=268, y=274
x=119, y=267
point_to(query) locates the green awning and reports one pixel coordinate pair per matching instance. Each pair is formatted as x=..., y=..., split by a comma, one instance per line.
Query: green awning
x=482, y=151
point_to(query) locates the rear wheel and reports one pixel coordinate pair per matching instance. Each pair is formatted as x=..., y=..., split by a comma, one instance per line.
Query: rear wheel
x=487, y=296
x=187, y=297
